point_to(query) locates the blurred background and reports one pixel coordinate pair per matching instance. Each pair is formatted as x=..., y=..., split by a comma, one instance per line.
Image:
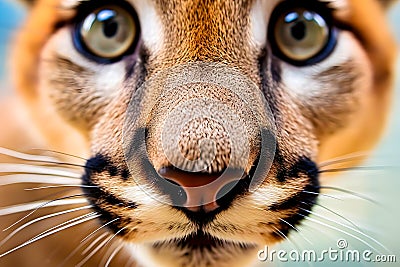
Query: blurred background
x=363, y=223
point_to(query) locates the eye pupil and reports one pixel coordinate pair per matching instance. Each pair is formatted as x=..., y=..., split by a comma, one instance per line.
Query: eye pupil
x=110, y=28
x=298, y=30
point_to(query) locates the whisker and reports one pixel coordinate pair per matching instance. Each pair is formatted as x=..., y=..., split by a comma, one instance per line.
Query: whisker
x=350, y=192
x=60, y=163
x=60, y=186
x=117, y=233
x=41, y=219
x=286, y=238
x=297, y=230
x=41, y=206
x=74, y=252
x=37, y=179
x=64, y=223
x=86, y=250
x=319, y=231
x=33, y=205
x=113, y=254
x=99, y=247
x=312, y=193
x=321, y=194
x=348, y=227
x=60, y=153
x=24, y=156
x=37, y=158
x=359, y=168
x=98, y=229
x=48, y=234
x=344, y=159
x=342, y=231
x=337, y=214
x=31, y=169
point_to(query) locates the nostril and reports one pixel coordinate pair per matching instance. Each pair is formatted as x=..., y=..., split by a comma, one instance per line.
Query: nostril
x=175, y=191
x=196, y=191
x=226, y=194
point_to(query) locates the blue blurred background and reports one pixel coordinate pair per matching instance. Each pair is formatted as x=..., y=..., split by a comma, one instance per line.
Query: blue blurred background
x=381, y=221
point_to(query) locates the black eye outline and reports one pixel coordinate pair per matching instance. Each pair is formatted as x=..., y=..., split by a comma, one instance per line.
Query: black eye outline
x=322, y=10
x=88, y=7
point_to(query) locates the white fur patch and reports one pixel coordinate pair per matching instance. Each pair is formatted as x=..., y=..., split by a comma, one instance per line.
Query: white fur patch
x=152, y=32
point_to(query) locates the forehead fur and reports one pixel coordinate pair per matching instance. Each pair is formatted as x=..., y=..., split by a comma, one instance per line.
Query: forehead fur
x=196, y=29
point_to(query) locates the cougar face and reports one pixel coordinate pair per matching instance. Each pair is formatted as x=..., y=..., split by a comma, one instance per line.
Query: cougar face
x=204, y=122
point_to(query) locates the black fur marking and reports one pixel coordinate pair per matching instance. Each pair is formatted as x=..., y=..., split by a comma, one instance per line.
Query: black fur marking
x=99, y=197
x=303, y=166
x=279, y=161
x=137, y=62
x=100, y=163
x=125, y=174
x=275, y=69
x=112, y=170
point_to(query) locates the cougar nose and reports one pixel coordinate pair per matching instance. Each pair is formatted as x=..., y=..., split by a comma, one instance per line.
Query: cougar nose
x=198, y=191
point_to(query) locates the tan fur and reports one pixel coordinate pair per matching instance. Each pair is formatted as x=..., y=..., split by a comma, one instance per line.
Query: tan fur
x=68, y=107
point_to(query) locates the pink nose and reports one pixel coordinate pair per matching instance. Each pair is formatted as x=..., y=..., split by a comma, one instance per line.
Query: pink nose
x=202, y=189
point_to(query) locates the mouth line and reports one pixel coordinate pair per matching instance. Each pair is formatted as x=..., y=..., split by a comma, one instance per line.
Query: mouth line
x=203, y=241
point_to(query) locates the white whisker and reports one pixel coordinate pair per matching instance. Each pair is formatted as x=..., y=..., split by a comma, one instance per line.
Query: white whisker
x=312, y=193
x=295, y=246
x=59, y=153
x=345, y=232
x=60, y=186
x=342, y=231
x=32, y=169
x=41, y=219
x=297, y=230
x=101, y=227
x=73, y=253
x=100, y=246
x=33, y=205
x=348, y=227
x=113, y=254
x=344, y=159
x=24, y=156
x=119, y=231
x=352, y=193
x=34, y=178
x=48, y=234
x=86, y=250
x=337, y=214
x=40, y=206
x=62, y=224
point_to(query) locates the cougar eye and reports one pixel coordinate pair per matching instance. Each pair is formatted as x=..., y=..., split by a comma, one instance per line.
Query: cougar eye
x=107, y=33
x=299, y=34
